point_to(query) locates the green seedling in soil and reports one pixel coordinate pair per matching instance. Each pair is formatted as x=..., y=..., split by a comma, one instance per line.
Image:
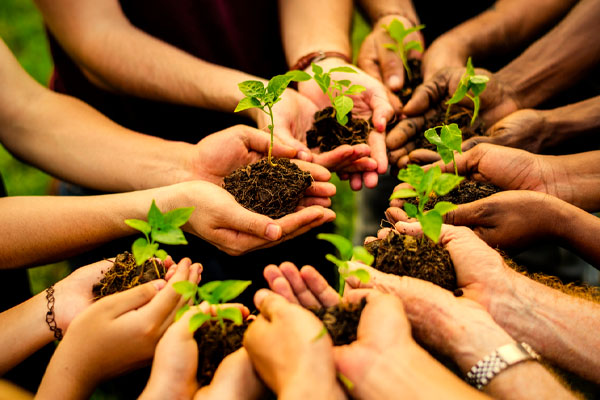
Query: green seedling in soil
x=397, y=32
x=448, y=141
x=426, y=184
x=468, y=82
x=264, y=97
x=214, y=293
x=160, y=228
x=336, y=91
x=347, y=253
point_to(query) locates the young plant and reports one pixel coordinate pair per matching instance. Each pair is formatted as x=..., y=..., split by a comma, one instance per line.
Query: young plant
x=468, y=82
x=397, y=32
x=160, y=228
x=214, y=293
x=264, y=98
x=336, y=92
x=347, y=253
x=425, y=184
x=448, y=141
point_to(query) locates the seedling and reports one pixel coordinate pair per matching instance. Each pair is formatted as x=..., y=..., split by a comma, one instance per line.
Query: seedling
x=397, y=32
x=474, y=83
x=336, y=92
x=214, y=293
x=347, y=253
x=425, y=184
x=264, y=98
x=160, y=228
x=449, y=141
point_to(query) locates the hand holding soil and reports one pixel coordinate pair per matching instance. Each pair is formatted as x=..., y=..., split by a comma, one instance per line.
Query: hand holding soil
x=444, y=52
x=288, y=351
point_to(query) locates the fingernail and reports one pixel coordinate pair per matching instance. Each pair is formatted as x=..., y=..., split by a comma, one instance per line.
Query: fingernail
x=273, y=232
x=159, y=284
x=394, y=81
x=303, y=155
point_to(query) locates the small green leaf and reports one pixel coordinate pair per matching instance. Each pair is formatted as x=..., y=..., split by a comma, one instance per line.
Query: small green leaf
x=247, y=103
x=343, y=69
x=479, y=79
x=277, y=85
x=339, y=263
x=140, y=225
x=361, y=274
x=430, y=177
x=343, y=105
x=342, y=120
x=169, y=235
x=431, y=223
x=142, y=250
x=229, y=290
x=317, y=69
x=445, y=183
x=432, y=136
x=298, y=76
x=205, y=291
x=451, y=136
x=343, y=245
x=359, y=253
x=231, y=313
x=411, y=210
x=252, y=88
x=181, y=311
x=415, y=28
x=344, y=82
x=355, y=89
x=445, y=153
x=413, y=45
x=198, y=320
x=470, y=69
x=403, y=194
x=444, y=207
x=412, y=174
x=155, y=217
x=178, y=216
x=186, y=289
x=391, y=46
x=477, y=89
x=459, y=94
x=475, y=109
x=161, y=254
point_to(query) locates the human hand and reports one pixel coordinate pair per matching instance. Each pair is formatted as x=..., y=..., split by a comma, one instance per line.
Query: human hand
x=223, y=222
x=381, y=63
x=116, y=334
x=444, y=52
x=287, y=351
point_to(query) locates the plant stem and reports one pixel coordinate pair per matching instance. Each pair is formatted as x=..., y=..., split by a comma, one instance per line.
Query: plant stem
x=404, y=59
x=271, y=128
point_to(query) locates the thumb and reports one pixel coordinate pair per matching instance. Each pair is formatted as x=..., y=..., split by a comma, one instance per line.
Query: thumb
x=382, y=109
x=465, y=215
x=243, y=220
x=391, y=69
x=284, y=135
x=427, y=95
x=131, y=299
x=475, y=140
x=259, y=141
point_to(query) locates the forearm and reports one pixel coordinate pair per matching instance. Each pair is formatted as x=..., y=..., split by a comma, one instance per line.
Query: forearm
x=24, y=331
x=569, y=50
x=377, y=9
x=314, y=25
x=505, y=26
x=560, y=327
x=573, y=120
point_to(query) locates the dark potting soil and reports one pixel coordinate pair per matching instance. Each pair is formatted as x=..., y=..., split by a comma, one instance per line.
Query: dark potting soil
x=410, y=85
x=273, y=191
x=125, y=274
x=341, y=321
x=327, y=133
x=466, y=192
x=420, y=258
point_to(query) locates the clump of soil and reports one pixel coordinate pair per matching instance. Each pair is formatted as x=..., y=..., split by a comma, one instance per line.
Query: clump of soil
x=466, y=192
x=327, y=133
x=341, y=321
x=410, y=85
x=271, y=191
x=458, y=115
x=125, y=274
x=215, y=342
x=420, y=258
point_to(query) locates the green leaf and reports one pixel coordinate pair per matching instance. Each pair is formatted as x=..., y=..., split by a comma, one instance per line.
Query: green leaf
x=343, y=69
x=412, y=174
x=445, y=183
x=321, y=82
x=475, y=109
x=415, y=28
x=252, y=88
x=431, y=223
x=343, y=105
x=451, y=136
x=444, y=207
x=391, y=46
x=396, y=30
x=459, y=94
x=339, y=263
x=168, y=235
x=344, y=82
x=186, y=289
x=231, y=313
x=479, y=79
x=470, y=69
x=317, y=69
x=205, y=291
x=343, y=245
x=161, y=254
x=142, y=250
x=181, y=311
x=198, y=320
x=355, y=89
x=432, y=136
x=361, y=274
x=426, y=185
x=178, y=216
x=445, y=153
x=247, y=103
x=298, y=76
x=359, y=253
x=229, y=290
x=413, y=45
x=342, y=120
x=155, y=217
x=140, y=225
x=411, y=210
x=477, y=89
x=403, y=194
x=277, y=85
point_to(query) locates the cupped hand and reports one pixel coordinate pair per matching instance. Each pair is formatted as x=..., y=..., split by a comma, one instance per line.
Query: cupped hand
x=287, y=348
x=444, y=52
x=383, y=64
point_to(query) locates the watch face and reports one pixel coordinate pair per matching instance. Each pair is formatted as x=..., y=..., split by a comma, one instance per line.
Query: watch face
x=514, y=353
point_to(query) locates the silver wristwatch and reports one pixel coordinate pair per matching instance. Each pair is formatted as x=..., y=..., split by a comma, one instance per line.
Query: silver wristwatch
x=503, y=357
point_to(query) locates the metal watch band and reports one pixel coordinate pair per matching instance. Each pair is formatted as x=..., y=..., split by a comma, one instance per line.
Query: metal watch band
x=503, y=357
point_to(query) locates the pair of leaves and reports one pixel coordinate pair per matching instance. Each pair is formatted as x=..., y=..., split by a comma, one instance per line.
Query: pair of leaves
x=431, y=221
x=197, y=320
x=259, y=96
x=398, y=32
x=160, y=228
x=449, y=140
x=215, y=292
x=470, y=81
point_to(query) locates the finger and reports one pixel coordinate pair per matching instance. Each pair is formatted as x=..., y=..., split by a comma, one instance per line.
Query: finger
x=285, y=137
x=383, y=233
x=475, y=140
x=404, y=132
x=270, y=304
x=423, y=156
x=356, y=283
x=468, y=214
x=242, y=220
x=364, y=164
x=344, y=176
x=369, y=239
x=278, y=283
x=321, y=189
x=195, y=273
x=370, y=179
x=427, y=94
x=259, y=141
x=355, y=181
x=167, y=301
x=381, y=321
x=409, y=228
x=378, y=150
x=131, y=299
x=382, y=109
x=355, y=296
x=303, y=294
x=318, y=172
x=391, y=68
x=367, y=57
x=396, y=155
x=396, y=214
x=319, y=287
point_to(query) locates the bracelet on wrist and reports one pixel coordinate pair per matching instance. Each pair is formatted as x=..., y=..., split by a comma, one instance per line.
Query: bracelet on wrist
x=500, y=359
x=50, y=316
x=316, y=56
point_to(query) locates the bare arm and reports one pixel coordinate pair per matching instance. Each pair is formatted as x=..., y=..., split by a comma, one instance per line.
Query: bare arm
x=571, y=121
